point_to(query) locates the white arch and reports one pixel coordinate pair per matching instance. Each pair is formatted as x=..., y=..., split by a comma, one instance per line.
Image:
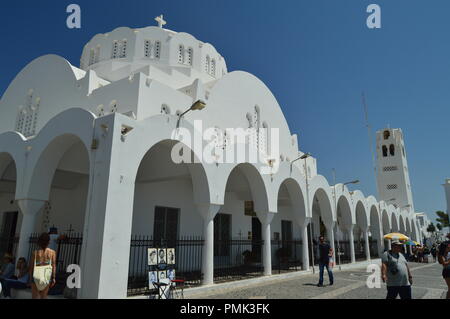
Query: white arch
x=361, y=210
x=50, y=145
x=296, y=186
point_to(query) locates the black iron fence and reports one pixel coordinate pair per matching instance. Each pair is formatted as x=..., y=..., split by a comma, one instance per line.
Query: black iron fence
x=343, y=248
x=234, y=259
x=286, y=255
x=188, y=261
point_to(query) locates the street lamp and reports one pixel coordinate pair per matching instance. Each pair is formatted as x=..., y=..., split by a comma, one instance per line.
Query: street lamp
x=197, y=106
x=304, y=157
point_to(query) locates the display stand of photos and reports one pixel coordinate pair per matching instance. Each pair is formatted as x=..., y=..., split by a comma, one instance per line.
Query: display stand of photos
x=161, y=262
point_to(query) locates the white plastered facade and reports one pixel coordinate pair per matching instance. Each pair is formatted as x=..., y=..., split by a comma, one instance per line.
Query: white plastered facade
x=95, y=142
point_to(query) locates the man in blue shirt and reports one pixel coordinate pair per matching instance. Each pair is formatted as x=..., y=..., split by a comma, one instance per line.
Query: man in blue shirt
x=325, y=253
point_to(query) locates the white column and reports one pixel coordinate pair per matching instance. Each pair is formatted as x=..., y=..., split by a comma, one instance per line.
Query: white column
x=105, y=254
x=305, y=243
x=352, y=244
x=265, y=219
x=366, y=239
x=208, y=212
x=380, y=243
x=29, y=209
x=330, y=235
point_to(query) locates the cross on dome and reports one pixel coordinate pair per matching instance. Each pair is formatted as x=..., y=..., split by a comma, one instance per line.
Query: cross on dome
x=160, y=21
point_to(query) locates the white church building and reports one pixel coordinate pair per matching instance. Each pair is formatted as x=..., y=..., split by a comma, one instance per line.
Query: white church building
x=89, y=150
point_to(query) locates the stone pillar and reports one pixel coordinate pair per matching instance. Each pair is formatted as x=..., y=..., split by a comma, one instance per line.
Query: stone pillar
x=305, y=243
x=389, y=247
x=352, y=244
x=265, y=219
x=380, y=243
x=367, y=247
x=208, y=212
x=330, y=235
x=29, y=209
x=105, y=254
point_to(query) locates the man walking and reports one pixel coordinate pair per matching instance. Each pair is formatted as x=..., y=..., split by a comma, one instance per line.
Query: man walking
x=395, y=272
x=325, y=253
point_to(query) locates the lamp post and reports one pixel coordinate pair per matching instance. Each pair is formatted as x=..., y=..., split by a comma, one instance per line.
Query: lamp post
x=196, y=106
x=304, y=157
x=336, y=208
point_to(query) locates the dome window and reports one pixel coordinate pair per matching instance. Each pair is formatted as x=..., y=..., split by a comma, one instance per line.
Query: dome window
x=157, y=49
x=213, y=68
x=113, y=106
x=207, y=64
x=123, y=49
x=91, y=57
x=115, y=50
x=190, y=56
x=100, y=110
x=147, y=48
x=180, y=54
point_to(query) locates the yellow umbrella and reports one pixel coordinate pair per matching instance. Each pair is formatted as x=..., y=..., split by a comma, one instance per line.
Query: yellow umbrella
x=417, y=244
x=396, y=236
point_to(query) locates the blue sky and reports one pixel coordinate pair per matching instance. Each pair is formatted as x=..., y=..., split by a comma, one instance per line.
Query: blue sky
x=316, y=56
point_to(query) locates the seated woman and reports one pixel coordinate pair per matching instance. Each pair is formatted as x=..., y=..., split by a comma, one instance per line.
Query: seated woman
x=22, y=281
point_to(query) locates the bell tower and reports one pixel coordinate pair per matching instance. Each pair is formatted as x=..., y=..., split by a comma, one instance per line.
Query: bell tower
x=394, y=186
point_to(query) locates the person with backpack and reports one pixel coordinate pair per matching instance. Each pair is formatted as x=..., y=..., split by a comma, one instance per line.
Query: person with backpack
x=395, y=272
x=444, y=260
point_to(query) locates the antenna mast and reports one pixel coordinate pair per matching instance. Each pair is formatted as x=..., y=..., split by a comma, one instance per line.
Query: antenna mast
x=369, y=132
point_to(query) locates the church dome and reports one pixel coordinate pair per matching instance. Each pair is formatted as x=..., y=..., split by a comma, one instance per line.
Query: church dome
x=174, y=58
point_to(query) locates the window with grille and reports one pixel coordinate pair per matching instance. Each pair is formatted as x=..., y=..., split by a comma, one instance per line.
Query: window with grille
x=97, y=55
x=119, y=49
x=180, y=54
x=207, y=64
x=213, y=68
x=91, y=57
x=190, y=56
x=157, y=49
x=147, y=48
x=390, y=168
x=391, y=186
x=123, y=49
x=115, y=50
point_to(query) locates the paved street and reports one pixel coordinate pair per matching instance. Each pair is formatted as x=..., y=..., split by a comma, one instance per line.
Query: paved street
x=349, y=284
